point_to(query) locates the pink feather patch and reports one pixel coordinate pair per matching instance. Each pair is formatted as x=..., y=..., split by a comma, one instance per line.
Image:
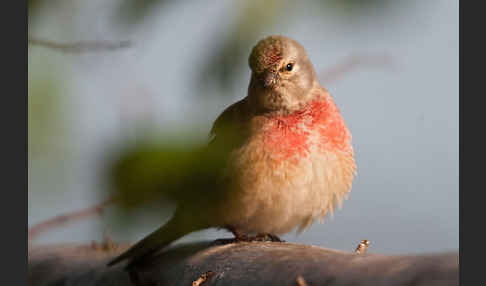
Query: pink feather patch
x=289, y=135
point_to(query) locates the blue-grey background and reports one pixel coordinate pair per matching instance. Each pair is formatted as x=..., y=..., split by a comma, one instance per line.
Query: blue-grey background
x=400, y=103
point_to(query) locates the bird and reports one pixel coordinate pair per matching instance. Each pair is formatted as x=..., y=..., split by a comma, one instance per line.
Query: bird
x=284, y=153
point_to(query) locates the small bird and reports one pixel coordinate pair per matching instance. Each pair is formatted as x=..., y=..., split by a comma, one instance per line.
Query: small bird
x=285, y=152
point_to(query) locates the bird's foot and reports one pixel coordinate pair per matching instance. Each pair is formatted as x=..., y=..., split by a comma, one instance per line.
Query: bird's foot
x=268, y=237
x=224, y=241
x=262, y=237
x=240, y=237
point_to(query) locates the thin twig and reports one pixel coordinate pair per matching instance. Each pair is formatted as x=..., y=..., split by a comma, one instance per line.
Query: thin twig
x=354, y=61
x=107, y=244
x=80, y=47
x=59, y=220
x=203, y=278
x=301, y=281
x=362, y=246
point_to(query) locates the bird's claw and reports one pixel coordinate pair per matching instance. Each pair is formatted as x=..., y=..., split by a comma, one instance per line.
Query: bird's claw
x=262, y=237
x=267, y=237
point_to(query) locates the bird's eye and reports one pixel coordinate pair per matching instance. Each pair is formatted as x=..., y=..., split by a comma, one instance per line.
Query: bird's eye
x=289, y=67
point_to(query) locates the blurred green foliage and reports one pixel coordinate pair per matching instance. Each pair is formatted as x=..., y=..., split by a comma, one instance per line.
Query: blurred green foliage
x=163, y=173
x=50, y=141
x=45, y=113
x=33, y=6
x=130, y=13
x=357, y=6
x=165, y=170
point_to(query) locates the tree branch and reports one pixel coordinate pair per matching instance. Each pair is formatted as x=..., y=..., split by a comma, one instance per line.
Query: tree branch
x=352, y=62
x=63, y=219
x=255, y=263
x=80, y=47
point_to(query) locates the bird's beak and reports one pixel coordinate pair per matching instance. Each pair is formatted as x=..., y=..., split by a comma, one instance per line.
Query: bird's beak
x=269, y=78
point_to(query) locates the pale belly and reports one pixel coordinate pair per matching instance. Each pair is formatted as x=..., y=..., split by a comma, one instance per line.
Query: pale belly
x=274, y=195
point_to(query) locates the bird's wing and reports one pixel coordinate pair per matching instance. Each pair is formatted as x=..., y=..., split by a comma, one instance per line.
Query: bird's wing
x=228, y=129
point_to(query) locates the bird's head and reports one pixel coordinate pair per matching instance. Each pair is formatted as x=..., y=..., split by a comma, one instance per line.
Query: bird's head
x=282, y=74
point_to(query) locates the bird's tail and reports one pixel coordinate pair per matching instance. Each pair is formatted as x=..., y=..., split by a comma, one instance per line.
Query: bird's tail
x=158, y=239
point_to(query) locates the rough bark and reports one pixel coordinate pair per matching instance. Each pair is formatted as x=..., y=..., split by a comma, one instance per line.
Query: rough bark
x=256, y=263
